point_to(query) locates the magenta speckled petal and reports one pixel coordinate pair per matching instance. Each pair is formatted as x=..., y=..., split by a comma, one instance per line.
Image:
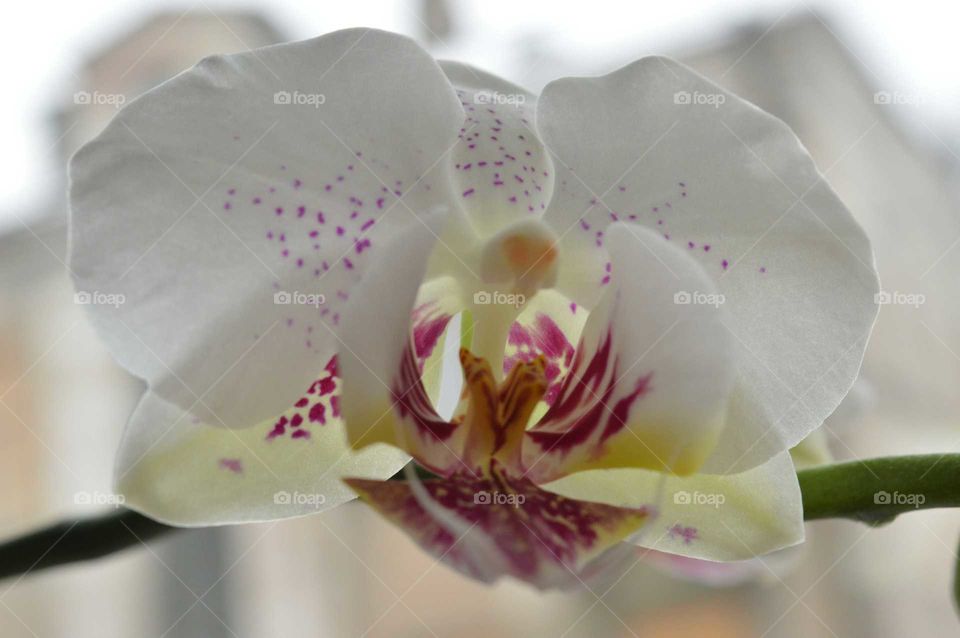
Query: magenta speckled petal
x=492, y=527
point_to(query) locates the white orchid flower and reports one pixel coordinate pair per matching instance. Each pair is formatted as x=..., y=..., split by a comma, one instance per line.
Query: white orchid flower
x=662, y=297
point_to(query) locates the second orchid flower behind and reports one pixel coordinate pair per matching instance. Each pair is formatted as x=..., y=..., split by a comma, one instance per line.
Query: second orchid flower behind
x=660, y=296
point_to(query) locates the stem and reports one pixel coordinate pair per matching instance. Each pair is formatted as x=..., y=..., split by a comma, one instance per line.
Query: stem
x=853, y=489
x=79, y=540
x=846, y=490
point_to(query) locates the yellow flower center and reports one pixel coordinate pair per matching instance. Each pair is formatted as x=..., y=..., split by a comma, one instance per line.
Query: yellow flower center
x=497, y=414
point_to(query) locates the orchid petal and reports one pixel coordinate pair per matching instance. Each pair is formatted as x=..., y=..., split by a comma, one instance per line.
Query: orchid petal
x=501, y=168
x=488, y=528
x=181, y=471
x=772, y=567
x=235, y=207
x=177, y=469
x=815, y=448
x=438, y=301
x=549, y=327
x=384, y=399
x=656, y=144
x=652, y=375
x=713, y=517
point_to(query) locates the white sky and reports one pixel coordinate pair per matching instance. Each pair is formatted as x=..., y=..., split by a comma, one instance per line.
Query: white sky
x=910, y=47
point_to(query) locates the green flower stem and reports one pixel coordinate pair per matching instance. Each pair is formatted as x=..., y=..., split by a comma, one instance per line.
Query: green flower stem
x=846, y=490
x=875, y=491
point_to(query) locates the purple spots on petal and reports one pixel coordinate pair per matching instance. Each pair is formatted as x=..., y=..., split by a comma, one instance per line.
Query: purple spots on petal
x=232, y=465
x=687, y=534
x=309, y=409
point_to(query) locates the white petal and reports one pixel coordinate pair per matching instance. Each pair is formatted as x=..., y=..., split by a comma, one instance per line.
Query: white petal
x=549, y=327
x=652, y=374
x=770, y=568
x=178, y=469
x=657, y=144
x=272, y=172
x=501, y=168
x=725, y=518
x=438, y=302
x=384, y=399
x=181, y=471
x=815, y=448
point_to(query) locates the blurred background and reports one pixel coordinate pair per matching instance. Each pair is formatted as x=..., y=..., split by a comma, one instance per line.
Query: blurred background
x=873, y=91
